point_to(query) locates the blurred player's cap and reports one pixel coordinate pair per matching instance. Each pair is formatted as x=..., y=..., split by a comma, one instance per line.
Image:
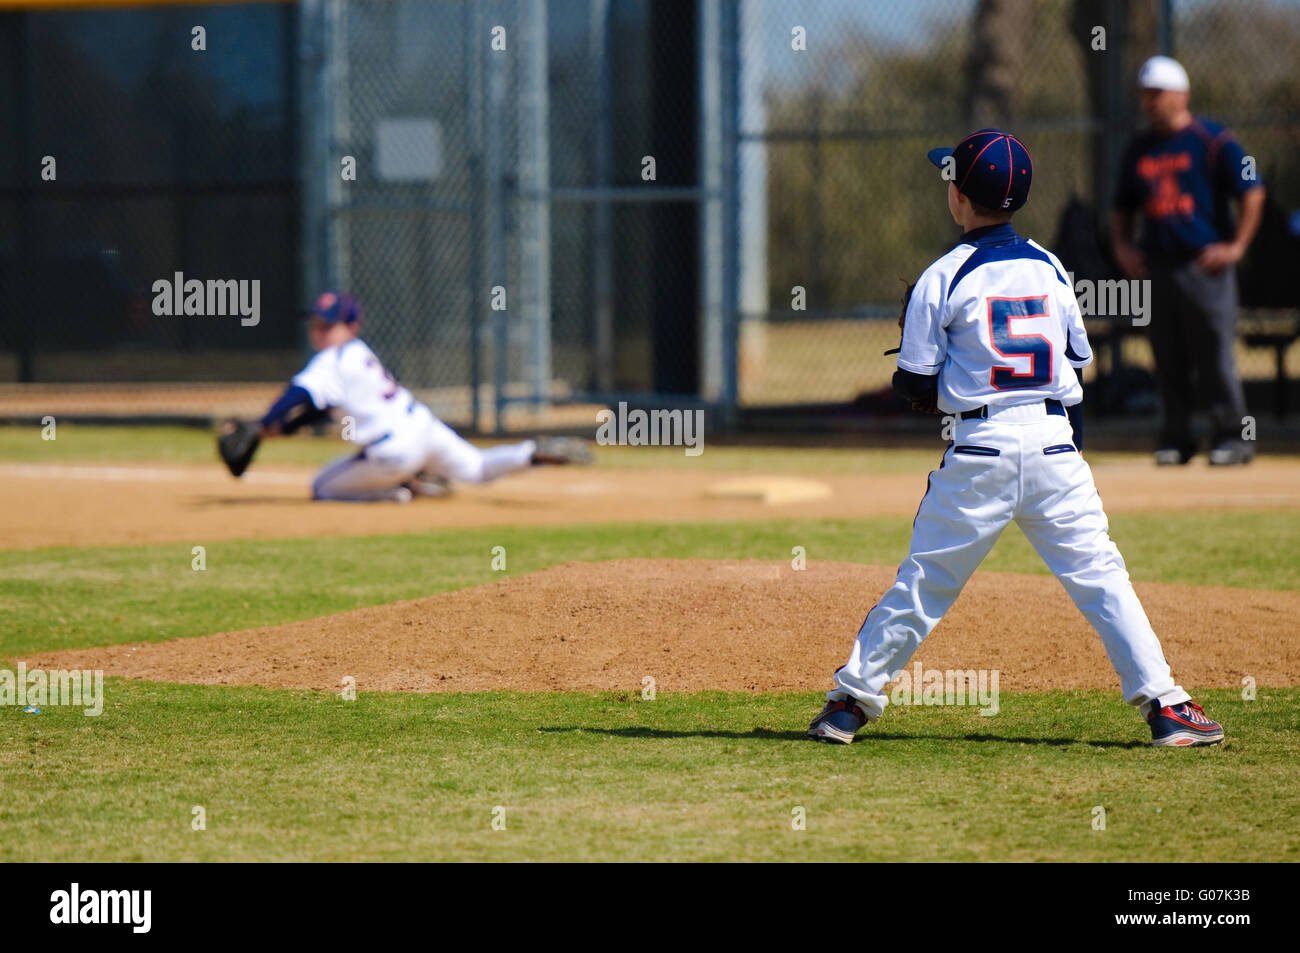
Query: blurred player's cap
x=334, y=306
x=991, y=168
x=1163, y=72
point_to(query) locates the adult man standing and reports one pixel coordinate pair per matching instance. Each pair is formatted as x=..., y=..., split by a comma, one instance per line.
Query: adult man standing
x=1181, y=175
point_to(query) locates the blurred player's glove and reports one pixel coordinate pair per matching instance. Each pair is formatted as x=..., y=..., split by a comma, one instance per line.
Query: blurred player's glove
x=902, y=314
x=236, y=443
x=926, y=405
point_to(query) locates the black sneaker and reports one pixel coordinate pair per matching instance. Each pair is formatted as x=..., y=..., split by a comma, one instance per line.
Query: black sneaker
x=1173, y=456
x=426, y=484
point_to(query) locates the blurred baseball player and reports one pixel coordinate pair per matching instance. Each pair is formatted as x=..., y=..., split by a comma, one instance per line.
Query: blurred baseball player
x=404, y=449
x=1181, y=174
x=993, y=335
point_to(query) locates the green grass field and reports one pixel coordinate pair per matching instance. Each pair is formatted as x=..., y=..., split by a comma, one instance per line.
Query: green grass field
x=291, y=775
x=303, y=776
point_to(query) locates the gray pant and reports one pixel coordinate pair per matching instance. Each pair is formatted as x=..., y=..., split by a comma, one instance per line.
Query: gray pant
x=1193, y=327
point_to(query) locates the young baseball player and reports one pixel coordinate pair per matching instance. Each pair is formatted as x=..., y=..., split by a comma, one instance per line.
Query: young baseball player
x=993, y=336
x=404, y=449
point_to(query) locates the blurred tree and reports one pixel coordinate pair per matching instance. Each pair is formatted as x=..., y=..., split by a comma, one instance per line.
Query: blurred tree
x=1110, y=61
x=995, y=61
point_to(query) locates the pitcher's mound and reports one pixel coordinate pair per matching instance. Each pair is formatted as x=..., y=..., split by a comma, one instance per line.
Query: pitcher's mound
x=700, y=624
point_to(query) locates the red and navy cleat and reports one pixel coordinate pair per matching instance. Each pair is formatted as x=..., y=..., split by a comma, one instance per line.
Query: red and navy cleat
x=838, y=722
x=1182, y=725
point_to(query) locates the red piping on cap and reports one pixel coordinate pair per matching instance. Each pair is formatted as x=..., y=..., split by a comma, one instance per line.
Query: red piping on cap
x=1027, y=155
x=1011, y=173
x=977, y=159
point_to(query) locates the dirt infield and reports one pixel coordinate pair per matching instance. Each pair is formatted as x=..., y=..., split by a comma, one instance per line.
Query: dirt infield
x=196, y=399
x=700, y=624
x=84, y=505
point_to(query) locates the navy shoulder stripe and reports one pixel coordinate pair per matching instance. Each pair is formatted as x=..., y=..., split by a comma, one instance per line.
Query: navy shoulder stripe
x=1009, y=252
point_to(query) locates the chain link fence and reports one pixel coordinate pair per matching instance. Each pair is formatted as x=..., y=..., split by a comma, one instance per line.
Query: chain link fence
x=541, y=241
x=392, y=167
x=134, y=156
x=550, y=202
x=840, y=101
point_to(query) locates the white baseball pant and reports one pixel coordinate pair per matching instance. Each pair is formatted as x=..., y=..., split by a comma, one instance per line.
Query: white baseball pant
x=1017, y=464
x=426, y=445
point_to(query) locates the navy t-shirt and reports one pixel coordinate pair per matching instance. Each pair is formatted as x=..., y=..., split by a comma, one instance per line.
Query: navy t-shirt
x=1182, y=184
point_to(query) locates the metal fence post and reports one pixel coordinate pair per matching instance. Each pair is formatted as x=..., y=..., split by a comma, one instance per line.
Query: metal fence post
x=719, y=208
x=602, y=249
x=475, y=103
x=495, y=212
x=749, y=200
x=731, y=207
x=26, y=232
x=337, y=274
x=315, y=152
x=535, y=177
x=710, y=212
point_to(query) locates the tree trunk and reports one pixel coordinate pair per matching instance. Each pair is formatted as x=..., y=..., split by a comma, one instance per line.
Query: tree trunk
x=1111, y=73
x=995, y=60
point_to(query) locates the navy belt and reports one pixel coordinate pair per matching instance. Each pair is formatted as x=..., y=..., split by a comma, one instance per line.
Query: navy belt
x=1053, y=407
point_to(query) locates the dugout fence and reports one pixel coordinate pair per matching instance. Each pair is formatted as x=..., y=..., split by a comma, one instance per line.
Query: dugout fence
x=551, y=204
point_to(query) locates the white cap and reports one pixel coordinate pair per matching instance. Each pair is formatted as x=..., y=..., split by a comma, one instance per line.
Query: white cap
x=1163, y=72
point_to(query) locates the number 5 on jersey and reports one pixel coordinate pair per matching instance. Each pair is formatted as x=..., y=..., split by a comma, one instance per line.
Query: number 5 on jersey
x=1009, y=344
x=390, y=392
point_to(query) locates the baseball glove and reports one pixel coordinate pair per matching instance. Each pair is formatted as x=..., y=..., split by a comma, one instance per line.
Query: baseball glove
x=562, y=450
x=236, y=444
x=922, y=404
x=902, y=314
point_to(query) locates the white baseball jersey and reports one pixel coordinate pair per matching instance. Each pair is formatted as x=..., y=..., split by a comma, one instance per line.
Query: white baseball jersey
x=997, y=320
x=351, y=378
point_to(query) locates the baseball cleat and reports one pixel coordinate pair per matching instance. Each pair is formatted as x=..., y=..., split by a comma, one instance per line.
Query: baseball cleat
x=562, y=450
x=838, y=722
x=1182, y=725
x=1231, y=454
x=1172, y=456
x=424, y=484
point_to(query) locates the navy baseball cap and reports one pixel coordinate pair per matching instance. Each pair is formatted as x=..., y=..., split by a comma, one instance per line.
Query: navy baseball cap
x=333, y=307
x=992, y=168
